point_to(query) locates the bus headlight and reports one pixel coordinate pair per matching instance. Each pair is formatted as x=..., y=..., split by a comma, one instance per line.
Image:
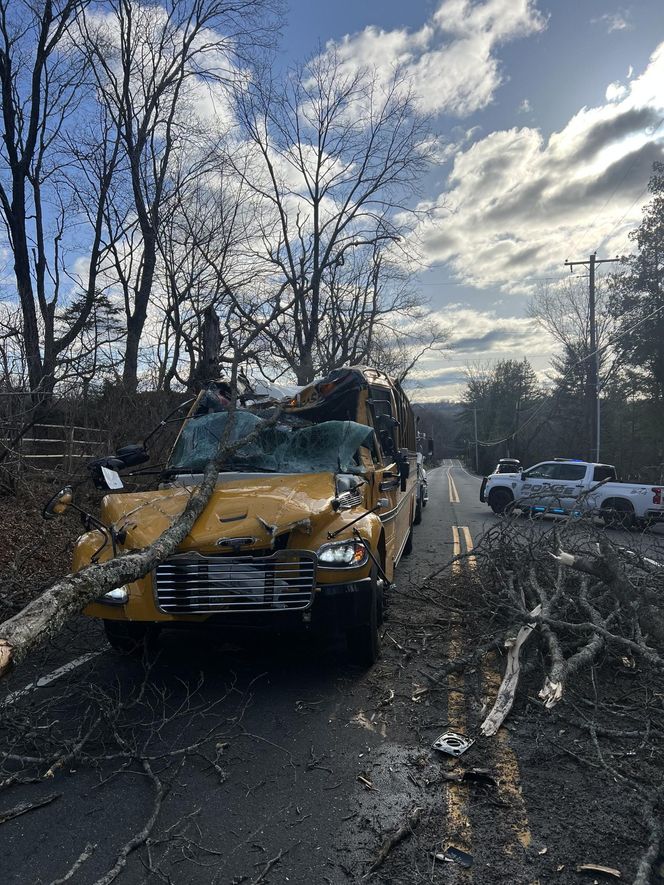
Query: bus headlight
x=119, y=596
x=343, y=554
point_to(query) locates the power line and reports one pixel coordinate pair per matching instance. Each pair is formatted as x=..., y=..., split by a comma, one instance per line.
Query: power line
x=615, y=190
x=593, y=358
x=623, y=216
x=545, y=403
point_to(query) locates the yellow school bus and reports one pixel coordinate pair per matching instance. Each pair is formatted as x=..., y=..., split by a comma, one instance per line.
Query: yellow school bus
x=305, y=527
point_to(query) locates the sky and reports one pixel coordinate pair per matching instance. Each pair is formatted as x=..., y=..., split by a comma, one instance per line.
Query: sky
x=548, y=116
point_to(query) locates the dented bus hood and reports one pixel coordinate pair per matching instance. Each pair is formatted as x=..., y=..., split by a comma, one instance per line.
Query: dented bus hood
x=257, y=509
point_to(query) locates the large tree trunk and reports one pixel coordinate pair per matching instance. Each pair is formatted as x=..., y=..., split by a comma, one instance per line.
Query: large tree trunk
x=130, y=369
x=24, y=288
x=304, y=371
x=207, y=367
x=136, y=321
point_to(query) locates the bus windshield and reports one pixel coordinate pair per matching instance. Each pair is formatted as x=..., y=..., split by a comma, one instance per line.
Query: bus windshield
x=274, y=448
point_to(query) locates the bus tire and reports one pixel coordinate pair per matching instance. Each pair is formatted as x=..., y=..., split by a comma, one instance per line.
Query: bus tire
x=131, y=637
x=363, y=640
x=418, y=510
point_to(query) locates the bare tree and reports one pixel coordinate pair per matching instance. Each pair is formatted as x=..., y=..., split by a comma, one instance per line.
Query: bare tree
x=372, y=313
x=335, y=154
x=205, y=268
x=153, y=66
x=42, y=81
x=563, y=311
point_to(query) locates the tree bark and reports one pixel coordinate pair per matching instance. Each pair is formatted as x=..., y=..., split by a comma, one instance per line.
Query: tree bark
x=46, y=615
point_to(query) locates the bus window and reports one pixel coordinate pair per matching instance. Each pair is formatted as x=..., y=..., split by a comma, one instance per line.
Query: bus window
x=381, y=415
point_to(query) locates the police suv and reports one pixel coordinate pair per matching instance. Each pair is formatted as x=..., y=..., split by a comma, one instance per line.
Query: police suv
x=564, y=486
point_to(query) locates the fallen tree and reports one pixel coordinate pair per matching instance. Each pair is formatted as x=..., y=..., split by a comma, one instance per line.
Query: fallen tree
x=46, y=615
x=579, y=613
x=586, y=595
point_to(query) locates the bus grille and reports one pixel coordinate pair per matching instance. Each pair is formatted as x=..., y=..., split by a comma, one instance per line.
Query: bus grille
x=195, y=584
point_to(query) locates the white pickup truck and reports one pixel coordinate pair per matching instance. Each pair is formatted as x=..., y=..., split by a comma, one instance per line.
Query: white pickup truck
x=570, y=486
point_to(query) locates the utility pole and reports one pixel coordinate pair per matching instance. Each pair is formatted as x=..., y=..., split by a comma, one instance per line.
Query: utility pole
x=593, y=357
x=477, y=448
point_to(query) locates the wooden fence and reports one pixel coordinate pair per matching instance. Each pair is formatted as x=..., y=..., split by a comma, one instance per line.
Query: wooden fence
x=56, y=445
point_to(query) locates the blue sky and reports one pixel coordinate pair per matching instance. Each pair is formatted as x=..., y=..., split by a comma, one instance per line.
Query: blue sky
x=548, y=116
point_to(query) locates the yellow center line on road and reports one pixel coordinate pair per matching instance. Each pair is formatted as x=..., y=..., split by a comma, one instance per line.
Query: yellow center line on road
x=457, y=795
x=468, y=538
x=456, y=548
x=507, y=765
x=454, y=495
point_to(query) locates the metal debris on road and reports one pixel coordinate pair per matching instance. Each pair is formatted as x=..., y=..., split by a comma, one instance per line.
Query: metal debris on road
x=453, y=743
x=388, y=699
x=454, y=855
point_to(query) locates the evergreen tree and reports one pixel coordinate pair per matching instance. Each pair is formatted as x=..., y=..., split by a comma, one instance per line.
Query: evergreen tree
x=637, y=300
x=505, y=398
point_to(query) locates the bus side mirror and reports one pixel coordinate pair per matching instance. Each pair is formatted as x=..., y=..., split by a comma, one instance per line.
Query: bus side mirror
x=132, y=455
x=404, y=467
x=430, y=448
x=59, y=504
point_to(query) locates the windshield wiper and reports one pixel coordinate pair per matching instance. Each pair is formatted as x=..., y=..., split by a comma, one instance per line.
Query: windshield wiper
x=249, y=468
x=226, y=468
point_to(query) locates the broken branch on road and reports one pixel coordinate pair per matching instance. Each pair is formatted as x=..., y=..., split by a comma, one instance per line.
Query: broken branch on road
x=581, y=617
x=403, y=831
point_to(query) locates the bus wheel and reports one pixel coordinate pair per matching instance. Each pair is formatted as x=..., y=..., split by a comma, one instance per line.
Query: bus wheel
x=408, y=549
x=131, y=637
x=364, y=639
x=418, y=510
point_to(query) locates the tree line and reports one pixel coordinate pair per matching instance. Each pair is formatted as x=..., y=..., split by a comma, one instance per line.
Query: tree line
x=173, y=203
x=520, y=416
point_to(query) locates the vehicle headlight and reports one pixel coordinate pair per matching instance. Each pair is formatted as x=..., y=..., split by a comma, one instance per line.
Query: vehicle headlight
x=343, y=554
x=119, y=596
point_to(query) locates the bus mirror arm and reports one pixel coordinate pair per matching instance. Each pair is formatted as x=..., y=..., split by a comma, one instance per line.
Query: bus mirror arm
x=332, y=535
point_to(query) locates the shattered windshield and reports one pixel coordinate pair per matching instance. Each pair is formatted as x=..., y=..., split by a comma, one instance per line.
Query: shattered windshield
x=279, y=448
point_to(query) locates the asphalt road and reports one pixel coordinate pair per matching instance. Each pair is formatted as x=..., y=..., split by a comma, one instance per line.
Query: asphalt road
x=291, y=730
x=273, y=760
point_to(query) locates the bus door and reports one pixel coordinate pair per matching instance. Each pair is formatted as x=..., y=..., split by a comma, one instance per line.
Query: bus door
x=395, y=516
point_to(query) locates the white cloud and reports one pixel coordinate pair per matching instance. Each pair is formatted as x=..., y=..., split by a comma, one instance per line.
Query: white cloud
x=525, y=107
x=614, y=21
x=451, y=60
x=615, y=91
x=477, y=336
x=482, y=334
x=518, y=204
